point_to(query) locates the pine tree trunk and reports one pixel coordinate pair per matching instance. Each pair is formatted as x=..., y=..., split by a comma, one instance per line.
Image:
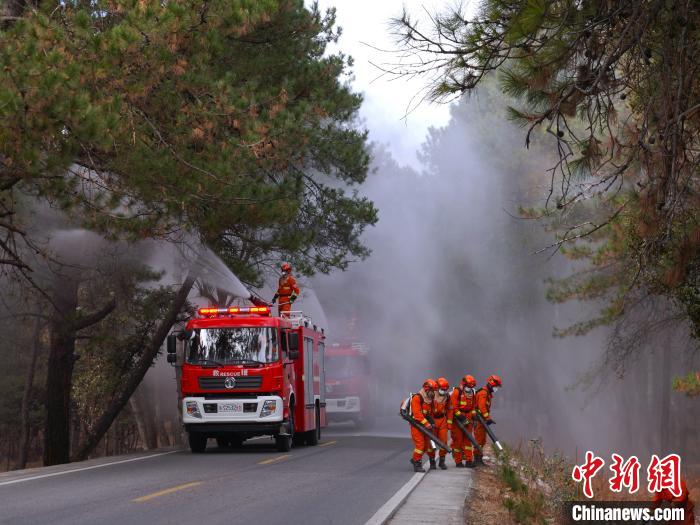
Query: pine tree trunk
x=132, y=382
x=27, y=399
x=60, y=372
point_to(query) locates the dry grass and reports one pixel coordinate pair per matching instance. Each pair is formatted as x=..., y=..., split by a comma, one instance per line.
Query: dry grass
x=521, y=487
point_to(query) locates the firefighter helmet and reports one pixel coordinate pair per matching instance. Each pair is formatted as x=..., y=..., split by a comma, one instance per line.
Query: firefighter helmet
x=286, y=267
x=469, y=381
x=494, y=381
x=443, y=385
x=430, y=385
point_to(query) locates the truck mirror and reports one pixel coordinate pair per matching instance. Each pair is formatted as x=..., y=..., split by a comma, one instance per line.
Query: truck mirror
x=172, y=358
x=171, y=345
x=293, y=345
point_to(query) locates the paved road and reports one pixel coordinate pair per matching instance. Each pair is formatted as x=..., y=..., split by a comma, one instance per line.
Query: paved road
x=344, y=480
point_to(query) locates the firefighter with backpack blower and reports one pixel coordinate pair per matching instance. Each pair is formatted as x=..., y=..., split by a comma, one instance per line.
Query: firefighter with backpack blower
x=440, y=411
x=417, y=410
x=463, y=401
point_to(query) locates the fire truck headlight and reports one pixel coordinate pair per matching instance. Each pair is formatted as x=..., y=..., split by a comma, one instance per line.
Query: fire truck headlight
x=269, y=408
x=193, y=409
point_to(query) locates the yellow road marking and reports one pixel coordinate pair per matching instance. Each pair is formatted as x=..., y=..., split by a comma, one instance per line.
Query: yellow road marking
x=273, y=460
x=167, y=491
x=327, y=443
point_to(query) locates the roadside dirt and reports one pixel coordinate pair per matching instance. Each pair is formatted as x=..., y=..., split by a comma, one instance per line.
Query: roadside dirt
x=485, y=504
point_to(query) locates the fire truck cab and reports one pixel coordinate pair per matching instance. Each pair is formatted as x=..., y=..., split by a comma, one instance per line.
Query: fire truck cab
x=247, y=373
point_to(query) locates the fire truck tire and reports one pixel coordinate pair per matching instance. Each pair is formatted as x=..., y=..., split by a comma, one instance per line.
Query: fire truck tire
x=198, y=442
x=284, y=443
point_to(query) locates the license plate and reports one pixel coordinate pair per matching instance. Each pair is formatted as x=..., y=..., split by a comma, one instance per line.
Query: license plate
x=230, y=407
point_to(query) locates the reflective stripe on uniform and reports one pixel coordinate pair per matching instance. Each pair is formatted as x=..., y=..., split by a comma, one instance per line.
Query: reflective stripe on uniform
x=417, y=451
x=486, y=414
x=424, y=421
x=457, y=412
x=449, y=421
x=469, y=448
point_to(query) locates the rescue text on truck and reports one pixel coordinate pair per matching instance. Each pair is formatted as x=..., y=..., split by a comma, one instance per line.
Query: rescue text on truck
x=245, y=373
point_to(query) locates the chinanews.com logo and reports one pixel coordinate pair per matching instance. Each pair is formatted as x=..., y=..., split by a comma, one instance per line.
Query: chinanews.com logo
x=666, y=499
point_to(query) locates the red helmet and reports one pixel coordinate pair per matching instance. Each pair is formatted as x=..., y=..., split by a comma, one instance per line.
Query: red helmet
x=494, y=381
x=469, y=381
x=429, y=385
x=442, y=383
x=286, y=267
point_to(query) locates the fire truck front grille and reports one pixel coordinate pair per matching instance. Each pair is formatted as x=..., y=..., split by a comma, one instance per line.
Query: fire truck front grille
x=218, y=383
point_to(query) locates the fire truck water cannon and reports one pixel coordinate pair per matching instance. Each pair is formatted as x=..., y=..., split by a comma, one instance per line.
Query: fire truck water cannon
x=246, y=373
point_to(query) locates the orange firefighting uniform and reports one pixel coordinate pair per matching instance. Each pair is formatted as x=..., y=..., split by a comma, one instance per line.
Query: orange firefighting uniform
x=287, y=287
x=683, y=500
x=462, y=404
x=483, y=404
x=440, y=411
x=420, y=410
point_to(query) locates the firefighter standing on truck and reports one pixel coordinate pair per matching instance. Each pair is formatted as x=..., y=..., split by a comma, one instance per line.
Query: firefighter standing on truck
x=420, y=408
x=440, y=411
x=287, y=291
x=483, y=406
x=463, y=406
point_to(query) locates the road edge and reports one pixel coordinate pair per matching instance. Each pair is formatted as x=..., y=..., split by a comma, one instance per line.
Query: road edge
x=387, y=511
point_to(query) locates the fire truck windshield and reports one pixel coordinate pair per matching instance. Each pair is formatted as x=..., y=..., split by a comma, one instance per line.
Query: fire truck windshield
x=229, y=346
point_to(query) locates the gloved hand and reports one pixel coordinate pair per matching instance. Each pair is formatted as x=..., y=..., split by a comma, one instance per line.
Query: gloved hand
x=292, y=298
x=274, y=299
x=490, y=421
x=462, y=418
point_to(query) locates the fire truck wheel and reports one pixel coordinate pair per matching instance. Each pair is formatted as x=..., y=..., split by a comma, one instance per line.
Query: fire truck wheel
x=198, y=442
x=284, y=443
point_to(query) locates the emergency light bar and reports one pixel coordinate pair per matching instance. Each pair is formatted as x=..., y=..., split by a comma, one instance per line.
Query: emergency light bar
x=235, y=310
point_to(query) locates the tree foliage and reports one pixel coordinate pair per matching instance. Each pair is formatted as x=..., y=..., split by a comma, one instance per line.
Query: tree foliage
x=221, y=118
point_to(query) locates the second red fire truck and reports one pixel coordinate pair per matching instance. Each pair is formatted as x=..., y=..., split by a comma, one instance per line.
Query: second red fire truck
x=247, y=373
x=349, y=384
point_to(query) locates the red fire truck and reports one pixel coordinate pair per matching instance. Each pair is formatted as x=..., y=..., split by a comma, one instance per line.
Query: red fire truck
x=349, y=384
x=247, y=373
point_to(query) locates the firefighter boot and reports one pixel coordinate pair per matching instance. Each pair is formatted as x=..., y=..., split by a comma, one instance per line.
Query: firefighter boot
x=441, y=463
x=459, y=464
x=417, y=465
x=470, y=464
x=480, y=461
x=432, y=464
